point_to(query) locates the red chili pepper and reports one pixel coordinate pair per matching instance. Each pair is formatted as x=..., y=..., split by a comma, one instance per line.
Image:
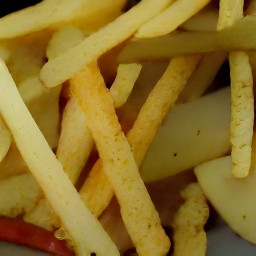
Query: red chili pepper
x=19, y=232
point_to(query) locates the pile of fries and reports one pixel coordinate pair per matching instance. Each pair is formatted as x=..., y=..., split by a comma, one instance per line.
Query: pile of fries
x=103, y=101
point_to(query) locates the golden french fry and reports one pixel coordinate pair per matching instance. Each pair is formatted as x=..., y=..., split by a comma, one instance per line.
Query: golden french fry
x=142, y=133
x=84, y=229
x=188, y=225
x=67, y=64
x=140, y=217
x=121, y=88
x=167, y=21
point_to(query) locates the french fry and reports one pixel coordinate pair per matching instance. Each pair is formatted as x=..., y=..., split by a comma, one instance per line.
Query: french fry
x=167, y=21
x=203, y=76
x=50, y=13
x=75, y=142
x=242, y=98
x=140, y=217
x=141, y=135
x=64, y=38
x=12, y=164
x=121, y=88
x=205, y=20
x=42, y=215
x=19, y=194
x=236, y=37
x=188, y=225
x=85, y=230
x=67, y=64
x=5, y=138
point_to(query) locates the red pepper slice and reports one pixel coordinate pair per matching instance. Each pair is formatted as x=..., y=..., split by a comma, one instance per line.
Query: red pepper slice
x=19, y=232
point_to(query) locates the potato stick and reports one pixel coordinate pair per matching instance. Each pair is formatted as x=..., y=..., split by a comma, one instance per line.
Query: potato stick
x=237, y=37
x=203, y=76
x=122, y=86
x=242, y=99
x=49, y=13
x=167, y=21
x=188, y=226
x=242, y=113
x=229, y=12
x=5, y=138
x=75, y=142
x=137, y=210
x=67, y=64
x=85, y=230
x=142, y=133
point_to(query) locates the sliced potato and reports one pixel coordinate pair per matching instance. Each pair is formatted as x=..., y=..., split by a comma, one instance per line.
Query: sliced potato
x=204, y=136
x=233, y=199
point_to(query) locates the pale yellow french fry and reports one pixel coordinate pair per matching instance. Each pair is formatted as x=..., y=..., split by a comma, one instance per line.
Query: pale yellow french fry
x=86, y=232
x=75, y=142
x=51, y=13
x=229, y=12
x=140, y=217
x=242, y=98
x=167, y=21
x=205, y=20
x=242, y=113
x=67, y=64
x=122, y=86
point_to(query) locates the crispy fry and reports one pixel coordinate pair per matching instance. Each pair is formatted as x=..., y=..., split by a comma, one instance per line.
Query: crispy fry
x=188, y=226
x=84, y=229
x=141, y=135
x=167, y=21
x=67, y=64
x=242, y=99
x=140, y=217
